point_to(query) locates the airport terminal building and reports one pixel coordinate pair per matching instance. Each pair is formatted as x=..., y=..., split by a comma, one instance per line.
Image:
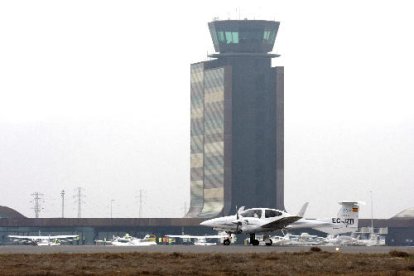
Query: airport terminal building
x=400, y=227
x=237, y=121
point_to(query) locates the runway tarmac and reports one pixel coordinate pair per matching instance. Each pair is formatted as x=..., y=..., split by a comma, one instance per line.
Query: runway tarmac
x=71, y=249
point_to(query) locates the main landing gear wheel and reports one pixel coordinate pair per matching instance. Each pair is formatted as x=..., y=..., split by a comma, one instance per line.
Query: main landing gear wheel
x=226, y=242
x=268, y=242
x=255, y=243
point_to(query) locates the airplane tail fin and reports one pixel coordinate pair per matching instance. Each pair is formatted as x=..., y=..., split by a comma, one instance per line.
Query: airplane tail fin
x=346, y=220
x=303, y=210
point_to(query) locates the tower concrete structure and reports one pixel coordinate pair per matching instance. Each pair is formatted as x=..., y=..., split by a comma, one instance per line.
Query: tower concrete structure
x=237, y=124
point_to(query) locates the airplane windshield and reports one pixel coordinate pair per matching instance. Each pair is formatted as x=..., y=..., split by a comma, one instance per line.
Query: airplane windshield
x=252, y=214
x=272, y=213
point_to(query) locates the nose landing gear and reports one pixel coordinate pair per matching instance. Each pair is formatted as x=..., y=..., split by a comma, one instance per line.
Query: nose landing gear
x=227, y=240
x=253, y=240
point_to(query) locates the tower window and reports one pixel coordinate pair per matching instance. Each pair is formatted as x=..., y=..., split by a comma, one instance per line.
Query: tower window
x=232, y=37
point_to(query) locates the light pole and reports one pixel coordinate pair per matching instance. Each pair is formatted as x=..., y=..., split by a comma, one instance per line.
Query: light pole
x=372, y=214
x=62, y=194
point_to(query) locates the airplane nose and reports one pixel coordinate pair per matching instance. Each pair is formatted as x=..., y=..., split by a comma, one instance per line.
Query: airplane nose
x=206, y=223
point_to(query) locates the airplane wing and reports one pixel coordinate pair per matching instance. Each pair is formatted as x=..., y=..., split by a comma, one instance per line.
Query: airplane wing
x=65, y=237
x=26, y=238
x=35, y=238
x=179, y=236
x=196, y=237
x=281, y=223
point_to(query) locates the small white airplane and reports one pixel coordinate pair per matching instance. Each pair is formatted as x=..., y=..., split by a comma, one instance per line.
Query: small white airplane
x=128, y=240
x=201, y=240
x=252, y=221
x=43, y=240
x=372, y=240
x=103, y=242
x=341, y=240
x=304, y=239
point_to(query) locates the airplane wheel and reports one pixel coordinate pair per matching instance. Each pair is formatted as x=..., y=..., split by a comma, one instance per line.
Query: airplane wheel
x=226, y=242
x=269, y=242
x=256, y=242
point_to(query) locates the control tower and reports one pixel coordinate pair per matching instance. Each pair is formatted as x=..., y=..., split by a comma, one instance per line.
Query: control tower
x=237, y=121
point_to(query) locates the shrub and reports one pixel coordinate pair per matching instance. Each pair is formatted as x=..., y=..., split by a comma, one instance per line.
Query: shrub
x=315, y=249
x=401, y=254
x=176, y=254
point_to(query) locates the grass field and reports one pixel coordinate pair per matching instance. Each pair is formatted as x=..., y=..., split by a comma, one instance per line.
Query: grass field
x=308, y=263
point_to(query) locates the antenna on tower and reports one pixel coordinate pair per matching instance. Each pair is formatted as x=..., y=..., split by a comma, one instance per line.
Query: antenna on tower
x=37, y=198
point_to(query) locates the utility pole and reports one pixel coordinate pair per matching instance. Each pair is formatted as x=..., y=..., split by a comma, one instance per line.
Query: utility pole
x=79, y=200
x=140, y=199
x=372, y=214
x=140, y=204
x=62, y=194
x=37, y=197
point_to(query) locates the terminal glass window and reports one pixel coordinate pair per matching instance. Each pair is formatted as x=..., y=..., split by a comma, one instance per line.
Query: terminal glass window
x=213, y=142
x=197, y=133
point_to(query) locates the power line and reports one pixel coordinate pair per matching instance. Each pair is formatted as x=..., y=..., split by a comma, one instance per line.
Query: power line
x=140, y=203
x=78, y=199
x=37, y=197
x=372, y=214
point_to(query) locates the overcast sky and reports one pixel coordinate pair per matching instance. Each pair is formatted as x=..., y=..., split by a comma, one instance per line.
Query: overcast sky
x=96, y=94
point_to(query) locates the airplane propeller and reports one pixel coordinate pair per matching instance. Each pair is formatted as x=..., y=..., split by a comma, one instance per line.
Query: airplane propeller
x=238, y=222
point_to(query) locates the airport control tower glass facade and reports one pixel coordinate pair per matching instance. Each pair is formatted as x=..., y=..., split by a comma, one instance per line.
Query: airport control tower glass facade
x=237, y=121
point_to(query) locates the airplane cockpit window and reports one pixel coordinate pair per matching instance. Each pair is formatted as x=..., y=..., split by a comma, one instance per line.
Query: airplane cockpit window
x=252, y=214
x=272, y=213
